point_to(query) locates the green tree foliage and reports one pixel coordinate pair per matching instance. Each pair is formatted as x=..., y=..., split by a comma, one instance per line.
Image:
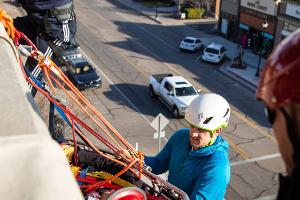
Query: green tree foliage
x=194, y=13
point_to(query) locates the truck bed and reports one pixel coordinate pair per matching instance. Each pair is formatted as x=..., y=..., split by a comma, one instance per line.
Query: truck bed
x=159, y=77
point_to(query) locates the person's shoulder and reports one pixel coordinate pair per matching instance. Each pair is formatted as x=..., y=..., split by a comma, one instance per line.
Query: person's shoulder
x=217, y=163
x=181, y=133
x=221, y=152
x=219, y=158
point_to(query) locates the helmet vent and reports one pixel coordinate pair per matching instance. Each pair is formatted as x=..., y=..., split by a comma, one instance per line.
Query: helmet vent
x=227, y=111
x=207, y=120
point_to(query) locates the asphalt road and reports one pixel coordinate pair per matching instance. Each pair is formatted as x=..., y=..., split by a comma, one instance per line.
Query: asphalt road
x=126, y=48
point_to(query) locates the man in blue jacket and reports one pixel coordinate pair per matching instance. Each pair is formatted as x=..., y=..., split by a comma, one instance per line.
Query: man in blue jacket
x=197, y=157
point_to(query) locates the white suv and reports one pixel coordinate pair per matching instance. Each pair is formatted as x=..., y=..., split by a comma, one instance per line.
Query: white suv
x=214, y=53
x=190, y=43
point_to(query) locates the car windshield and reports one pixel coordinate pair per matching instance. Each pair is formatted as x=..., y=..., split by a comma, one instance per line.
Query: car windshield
x=83, y=68
x=188, y=41
x=185, y=91
x=211, y=50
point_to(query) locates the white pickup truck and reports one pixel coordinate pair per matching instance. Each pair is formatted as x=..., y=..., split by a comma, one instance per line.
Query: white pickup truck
x=174, y=91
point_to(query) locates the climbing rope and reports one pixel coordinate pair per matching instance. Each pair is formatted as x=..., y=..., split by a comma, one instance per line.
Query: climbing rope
x=133, y=162
x=7, y=22
x=54, y=74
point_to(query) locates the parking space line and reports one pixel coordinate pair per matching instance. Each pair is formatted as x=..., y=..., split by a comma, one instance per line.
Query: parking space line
x=260, y=158
x=198, y=58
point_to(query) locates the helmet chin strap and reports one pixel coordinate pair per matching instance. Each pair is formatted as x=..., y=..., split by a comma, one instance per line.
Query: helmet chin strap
x=213, y=136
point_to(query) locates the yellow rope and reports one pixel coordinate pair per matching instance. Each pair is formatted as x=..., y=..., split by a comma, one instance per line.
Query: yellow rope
x=7, y=22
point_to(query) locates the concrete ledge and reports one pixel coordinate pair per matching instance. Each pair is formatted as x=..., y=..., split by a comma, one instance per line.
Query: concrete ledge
x=33, y=166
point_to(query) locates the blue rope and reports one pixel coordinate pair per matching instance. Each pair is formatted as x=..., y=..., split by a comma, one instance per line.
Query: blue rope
x=34, y=79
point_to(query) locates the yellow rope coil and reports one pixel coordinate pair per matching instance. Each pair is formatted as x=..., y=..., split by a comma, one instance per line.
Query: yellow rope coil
x=7, y=22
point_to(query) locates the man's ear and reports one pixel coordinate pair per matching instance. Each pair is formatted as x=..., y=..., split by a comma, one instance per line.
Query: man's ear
x=218, y=131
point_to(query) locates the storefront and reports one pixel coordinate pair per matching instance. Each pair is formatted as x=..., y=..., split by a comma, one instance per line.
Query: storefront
x=252, y=34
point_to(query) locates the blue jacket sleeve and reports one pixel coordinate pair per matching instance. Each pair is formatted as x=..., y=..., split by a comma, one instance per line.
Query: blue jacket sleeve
x=160, y=162
x=212, y=185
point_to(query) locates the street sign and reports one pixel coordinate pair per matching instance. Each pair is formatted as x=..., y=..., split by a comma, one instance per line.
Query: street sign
x=160, y=122
x=162, y=134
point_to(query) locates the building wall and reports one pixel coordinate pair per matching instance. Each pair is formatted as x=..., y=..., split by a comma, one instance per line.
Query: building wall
x=229, y=17
x=255, y=22
x=288, y=20
x=230, y=6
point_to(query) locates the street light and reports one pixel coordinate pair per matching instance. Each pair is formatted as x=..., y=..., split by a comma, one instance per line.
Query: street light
x=264, y=26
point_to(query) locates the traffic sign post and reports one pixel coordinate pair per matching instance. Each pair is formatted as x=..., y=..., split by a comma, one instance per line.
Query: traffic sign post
x=159, y=123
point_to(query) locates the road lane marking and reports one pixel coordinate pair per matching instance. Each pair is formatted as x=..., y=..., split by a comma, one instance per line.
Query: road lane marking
x=260, y=158
x=252, y=124
x=248, y=121
x=118, y=90
x=235, y=147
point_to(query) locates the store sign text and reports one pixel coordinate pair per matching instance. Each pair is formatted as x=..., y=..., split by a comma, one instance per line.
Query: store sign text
x=265, y=6
x=257, y=6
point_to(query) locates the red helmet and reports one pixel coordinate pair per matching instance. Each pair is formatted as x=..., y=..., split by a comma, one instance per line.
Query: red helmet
x=280, y=81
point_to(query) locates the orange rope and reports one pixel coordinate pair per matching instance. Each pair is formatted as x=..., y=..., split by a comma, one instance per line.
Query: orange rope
x=52, y=67
x=48, y=65
x=83, y=109
x=7, y=22
x=97, y=185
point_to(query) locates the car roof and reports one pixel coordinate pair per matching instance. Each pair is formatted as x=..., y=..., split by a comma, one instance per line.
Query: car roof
x=178, y=81
x=191, y=38
x=215, y=46
x=77, y=60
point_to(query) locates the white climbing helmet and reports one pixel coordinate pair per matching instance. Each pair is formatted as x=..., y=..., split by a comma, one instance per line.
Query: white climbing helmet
x=208, y=111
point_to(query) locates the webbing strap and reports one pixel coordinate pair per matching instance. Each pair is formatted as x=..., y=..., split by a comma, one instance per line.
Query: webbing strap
x=83, y=172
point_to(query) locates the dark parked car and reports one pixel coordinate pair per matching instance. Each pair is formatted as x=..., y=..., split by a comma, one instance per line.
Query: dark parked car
x=71, y=52
x=82, y=74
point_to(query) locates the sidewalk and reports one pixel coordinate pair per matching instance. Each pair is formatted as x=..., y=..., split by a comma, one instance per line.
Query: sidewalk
x=246, y=76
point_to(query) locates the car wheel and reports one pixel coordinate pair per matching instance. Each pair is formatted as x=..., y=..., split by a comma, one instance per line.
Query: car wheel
x=151, y=92
x=175, y=112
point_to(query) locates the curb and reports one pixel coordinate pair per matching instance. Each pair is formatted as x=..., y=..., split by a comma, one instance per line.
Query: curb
x=248, y=84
